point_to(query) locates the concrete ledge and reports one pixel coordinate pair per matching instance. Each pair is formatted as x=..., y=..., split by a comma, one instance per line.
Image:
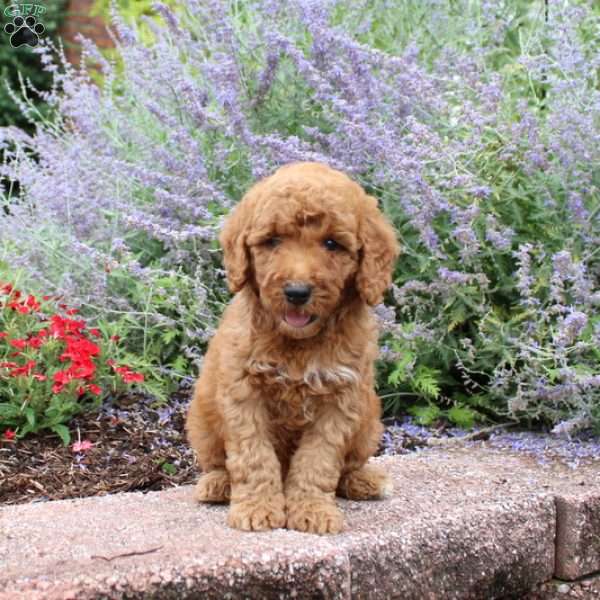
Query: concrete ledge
x=486, y=551
x=462, y=523
x=577, y=535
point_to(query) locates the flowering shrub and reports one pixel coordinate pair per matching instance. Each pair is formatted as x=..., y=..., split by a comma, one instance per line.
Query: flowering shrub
x=52, y=366
x=474, y=123
x=130, y=10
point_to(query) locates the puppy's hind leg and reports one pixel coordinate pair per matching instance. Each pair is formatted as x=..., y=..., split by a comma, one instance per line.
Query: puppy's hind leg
x=366, y=483
x=213, y=486
x=361, y=481
x=204, y=432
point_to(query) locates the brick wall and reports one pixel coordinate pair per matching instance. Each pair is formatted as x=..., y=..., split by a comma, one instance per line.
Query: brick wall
x=78, y=20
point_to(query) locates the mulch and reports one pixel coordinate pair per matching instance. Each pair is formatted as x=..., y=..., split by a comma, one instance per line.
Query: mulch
x=137, y=445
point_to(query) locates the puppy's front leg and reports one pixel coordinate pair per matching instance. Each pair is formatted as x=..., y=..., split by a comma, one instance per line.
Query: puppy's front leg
x=257, y=500
x=314, y=474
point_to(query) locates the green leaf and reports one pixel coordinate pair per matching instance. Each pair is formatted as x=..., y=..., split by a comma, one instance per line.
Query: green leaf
x=169, y=335
x=8, y=411
x=169, y=468
x=425, y=415
x=180, y=364
x=457, y=316
x=584, y=370
x=553, y=374
x=399, y=373
x=63, y=432
x=396, y=377
x=425, y=381
x=30, y=416
x=23, y=431
x=462, y=416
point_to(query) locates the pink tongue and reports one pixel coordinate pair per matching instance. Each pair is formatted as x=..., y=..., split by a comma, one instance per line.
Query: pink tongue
x=296, y=319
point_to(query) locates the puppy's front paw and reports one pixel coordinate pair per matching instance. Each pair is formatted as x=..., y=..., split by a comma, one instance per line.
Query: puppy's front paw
x=258, y=514
x=314, y=515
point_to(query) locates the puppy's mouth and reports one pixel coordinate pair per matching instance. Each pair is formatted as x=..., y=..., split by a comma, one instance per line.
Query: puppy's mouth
x=298, y=319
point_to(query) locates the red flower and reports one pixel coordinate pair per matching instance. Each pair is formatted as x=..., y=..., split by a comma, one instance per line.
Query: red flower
x=79, y=349
x=24, y=370
x=132, y=377
x=82, y=446
x=19, y=307
x=82, y=370
x=114, y=338
x=62, y=378
x=34, y=342
x=32, y=303
x=9, y=434
x=60, y=327
x=92, y=387
x=128, y=375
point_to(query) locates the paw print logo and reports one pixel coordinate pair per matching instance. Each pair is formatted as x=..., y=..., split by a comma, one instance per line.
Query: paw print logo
x=24, y=31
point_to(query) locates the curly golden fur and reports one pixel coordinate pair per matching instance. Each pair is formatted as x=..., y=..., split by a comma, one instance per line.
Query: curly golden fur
x=284, y=413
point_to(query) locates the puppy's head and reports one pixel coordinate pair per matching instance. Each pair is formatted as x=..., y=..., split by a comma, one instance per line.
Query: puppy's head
x=303, y=237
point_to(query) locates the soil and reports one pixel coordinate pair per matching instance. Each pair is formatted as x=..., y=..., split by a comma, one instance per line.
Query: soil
x=132, y=450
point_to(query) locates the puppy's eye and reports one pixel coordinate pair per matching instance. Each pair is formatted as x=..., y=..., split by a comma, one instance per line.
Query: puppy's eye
x=272, y=242
x=331, y=245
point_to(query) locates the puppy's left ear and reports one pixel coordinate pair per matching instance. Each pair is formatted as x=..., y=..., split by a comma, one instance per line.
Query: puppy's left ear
x=233, y=240
x=379, y=250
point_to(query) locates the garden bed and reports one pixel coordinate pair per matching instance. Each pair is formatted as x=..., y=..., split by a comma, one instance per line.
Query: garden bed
x=135, y=445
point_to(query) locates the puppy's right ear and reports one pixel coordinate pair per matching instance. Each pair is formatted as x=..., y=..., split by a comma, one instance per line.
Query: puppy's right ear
x=233, y=240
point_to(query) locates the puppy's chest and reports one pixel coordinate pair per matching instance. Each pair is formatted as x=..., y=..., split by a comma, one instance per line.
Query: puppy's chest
x=293, y=397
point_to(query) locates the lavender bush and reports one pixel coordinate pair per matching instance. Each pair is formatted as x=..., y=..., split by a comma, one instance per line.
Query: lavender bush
x=476, y=124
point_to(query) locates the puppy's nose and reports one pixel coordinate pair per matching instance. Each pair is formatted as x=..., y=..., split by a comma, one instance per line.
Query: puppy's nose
x=297, y=293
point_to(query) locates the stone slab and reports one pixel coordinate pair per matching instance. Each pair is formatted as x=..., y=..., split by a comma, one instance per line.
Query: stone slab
x=157, y=545
x=488, y=551
x=577, y=535
x=462, y=523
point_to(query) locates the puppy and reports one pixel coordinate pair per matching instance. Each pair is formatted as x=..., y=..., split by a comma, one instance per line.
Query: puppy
x=284, y=414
